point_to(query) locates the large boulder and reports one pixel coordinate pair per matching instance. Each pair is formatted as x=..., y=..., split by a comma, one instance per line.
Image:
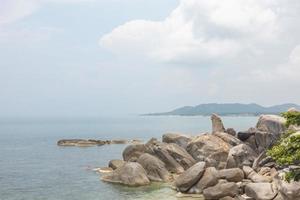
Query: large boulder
x=241, y=155
x=176, y=158
x=180, y=155
x=190, y=177
x=222, y=189
x=155, y=168
x=209, y=178
x=271, y=123
x=210, y=148
x=228, y=138
x=289, y=191
x=254, y=176
x=260, y=191
x=231, y=175
x=114, y=164
x=217, y=124
x=180, y=139
x=133, y=152
x=130, y=174
x=264, y=140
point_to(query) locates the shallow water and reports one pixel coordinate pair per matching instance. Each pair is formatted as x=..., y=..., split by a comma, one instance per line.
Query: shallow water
x=33, y=167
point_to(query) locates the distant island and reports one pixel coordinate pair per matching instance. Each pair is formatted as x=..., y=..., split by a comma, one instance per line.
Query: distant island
x=227, y=109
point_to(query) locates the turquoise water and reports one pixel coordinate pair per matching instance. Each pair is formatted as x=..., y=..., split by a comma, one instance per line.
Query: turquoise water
x=32, y=167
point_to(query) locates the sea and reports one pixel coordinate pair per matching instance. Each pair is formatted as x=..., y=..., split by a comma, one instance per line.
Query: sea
x=33, y=167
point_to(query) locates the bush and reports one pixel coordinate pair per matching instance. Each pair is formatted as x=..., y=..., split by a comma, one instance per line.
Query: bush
x=293, y=118
x=287, y=150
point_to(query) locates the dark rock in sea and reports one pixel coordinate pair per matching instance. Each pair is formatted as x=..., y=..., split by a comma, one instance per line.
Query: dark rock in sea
x=231, y=131
x=155, y=168
x=190, y=177
x=130, y=174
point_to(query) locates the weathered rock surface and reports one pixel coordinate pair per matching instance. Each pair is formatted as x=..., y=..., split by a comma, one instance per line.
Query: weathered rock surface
x=271, y=123
x=176, y=158
x=190, y=177
x=217, y=124
x=231, y=175
x=222, y=189
x=180, y=139
x=254, y=176
x=133, y=152
x=155, y=168
x=209, y=178
x=130, y=174
x=289, y=191
x=260, y=191
x=114, y=164
x=239, y=156
x=210, y=148
x=228, y=138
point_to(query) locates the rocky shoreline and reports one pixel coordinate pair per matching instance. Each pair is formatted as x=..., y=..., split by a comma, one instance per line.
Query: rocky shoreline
x=219, y=165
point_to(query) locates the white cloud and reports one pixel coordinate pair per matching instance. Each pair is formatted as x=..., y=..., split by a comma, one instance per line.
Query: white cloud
x=200, y=30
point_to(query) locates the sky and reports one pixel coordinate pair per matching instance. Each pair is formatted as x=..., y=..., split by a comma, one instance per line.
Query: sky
x=86, y=58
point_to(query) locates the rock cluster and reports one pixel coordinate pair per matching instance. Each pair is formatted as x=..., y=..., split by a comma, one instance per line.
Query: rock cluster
x=219, y=165
x=91, y=142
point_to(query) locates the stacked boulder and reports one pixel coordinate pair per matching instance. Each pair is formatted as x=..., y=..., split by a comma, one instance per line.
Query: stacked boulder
x=219, y=165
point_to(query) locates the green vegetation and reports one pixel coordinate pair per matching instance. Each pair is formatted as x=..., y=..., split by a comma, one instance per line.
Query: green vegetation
x=293, y=118
x=287, y=150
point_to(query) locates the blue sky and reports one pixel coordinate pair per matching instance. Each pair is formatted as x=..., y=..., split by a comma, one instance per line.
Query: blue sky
x=101, y=57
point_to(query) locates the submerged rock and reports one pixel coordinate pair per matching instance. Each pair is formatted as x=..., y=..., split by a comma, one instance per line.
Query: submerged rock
x=130, y=174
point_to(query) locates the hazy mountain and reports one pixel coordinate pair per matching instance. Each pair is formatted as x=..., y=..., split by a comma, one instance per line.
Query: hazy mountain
x=229, y=109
